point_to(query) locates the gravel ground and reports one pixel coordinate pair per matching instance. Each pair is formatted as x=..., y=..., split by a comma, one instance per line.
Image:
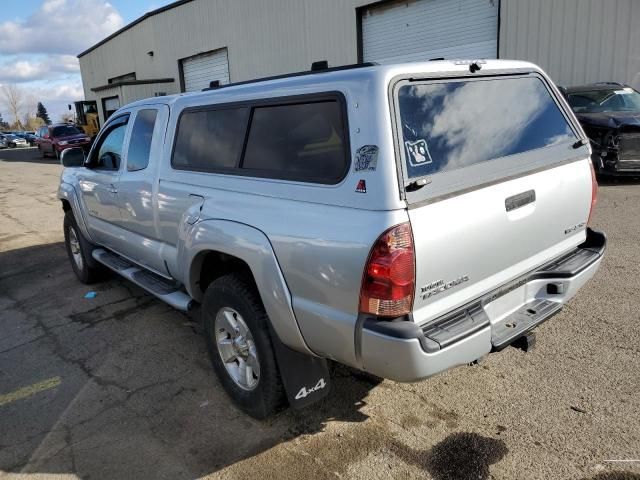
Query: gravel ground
x=120, y=386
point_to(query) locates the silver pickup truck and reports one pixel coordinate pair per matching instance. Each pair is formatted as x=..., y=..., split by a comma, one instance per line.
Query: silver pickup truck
x=399, y=219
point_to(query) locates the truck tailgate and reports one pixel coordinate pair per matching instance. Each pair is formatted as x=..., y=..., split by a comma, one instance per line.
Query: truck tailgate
x=469, y=244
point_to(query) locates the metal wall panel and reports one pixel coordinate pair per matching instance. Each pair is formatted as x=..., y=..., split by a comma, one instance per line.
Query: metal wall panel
x=575, y=41
x=262, y=38
x=202, y=69
x=407, y=31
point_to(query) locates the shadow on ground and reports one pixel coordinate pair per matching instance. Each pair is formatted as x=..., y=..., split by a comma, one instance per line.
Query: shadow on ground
x=28, y=155
x=136, y=395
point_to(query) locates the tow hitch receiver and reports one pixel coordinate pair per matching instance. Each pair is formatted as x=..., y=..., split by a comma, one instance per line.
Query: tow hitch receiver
x=526, y=342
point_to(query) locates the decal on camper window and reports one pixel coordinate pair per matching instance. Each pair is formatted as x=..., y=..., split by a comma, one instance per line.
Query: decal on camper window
x=418, y=152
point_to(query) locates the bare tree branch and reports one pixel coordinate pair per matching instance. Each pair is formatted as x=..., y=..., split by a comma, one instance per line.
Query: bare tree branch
x=14, y=99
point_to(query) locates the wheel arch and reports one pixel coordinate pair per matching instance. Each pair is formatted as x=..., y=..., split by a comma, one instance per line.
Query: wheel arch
x=213, y=248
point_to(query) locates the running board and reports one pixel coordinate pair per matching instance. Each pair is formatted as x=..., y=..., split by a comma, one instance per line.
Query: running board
x=152, y=283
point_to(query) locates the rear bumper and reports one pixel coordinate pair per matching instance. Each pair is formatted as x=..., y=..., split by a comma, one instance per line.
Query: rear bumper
x=406, y=352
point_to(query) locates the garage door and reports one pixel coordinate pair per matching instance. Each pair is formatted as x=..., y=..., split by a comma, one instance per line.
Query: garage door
x=109, y=106
x=418, y=30
x=198, y=71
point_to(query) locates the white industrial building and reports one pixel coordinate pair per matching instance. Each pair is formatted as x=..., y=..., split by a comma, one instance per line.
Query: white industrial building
x=189, y=43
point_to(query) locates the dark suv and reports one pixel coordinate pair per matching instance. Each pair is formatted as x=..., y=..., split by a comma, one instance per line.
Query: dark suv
x=53, y=139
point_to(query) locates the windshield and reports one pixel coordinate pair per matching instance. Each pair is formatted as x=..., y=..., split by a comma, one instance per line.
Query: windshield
x=605, y=100
x=455, y=124
x=65, y=130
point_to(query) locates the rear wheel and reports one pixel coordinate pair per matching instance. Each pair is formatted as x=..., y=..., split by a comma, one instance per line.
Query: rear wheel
x=79, y=252
x=239, y=343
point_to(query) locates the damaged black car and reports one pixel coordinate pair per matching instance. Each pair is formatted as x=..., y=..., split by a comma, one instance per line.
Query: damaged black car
x=610, y=116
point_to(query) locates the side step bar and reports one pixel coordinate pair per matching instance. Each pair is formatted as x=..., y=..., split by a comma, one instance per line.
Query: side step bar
x=154, y=284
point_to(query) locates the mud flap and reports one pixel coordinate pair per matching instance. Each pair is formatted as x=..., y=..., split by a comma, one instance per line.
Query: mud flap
x=305, y=378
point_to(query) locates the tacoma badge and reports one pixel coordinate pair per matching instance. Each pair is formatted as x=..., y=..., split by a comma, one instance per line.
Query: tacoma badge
x=440, y=286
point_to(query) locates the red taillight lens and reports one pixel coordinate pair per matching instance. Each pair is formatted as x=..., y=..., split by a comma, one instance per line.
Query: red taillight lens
x=388, y=282
x=594, y=191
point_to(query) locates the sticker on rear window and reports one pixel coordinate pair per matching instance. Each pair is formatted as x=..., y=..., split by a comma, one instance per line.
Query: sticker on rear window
x=418, y=152
x=366, y=158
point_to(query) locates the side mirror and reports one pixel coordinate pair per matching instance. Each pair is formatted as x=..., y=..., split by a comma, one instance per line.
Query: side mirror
x=72, y=157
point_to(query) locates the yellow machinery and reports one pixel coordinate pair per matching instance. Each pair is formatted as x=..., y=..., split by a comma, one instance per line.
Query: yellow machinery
x=87, y=117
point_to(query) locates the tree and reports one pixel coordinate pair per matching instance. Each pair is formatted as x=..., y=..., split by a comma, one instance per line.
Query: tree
x=43, y=114
x=3, y=125
x=34, y=123
x=67, y=117
x=14, y=98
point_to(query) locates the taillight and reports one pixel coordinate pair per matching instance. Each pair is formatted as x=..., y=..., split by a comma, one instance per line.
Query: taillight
x=594, y=191
x=388, y=282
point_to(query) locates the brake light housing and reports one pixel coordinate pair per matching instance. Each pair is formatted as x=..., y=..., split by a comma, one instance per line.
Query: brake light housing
x=594, y=192
x=388, y=281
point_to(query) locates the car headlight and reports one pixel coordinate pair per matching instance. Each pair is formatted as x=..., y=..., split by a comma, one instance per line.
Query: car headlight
x=62, y=142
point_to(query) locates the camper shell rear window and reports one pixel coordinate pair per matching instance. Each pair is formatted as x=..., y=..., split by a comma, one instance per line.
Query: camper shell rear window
x=452, y=124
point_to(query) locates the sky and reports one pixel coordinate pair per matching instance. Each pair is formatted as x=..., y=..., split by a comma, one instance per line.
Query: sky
x=40, y=41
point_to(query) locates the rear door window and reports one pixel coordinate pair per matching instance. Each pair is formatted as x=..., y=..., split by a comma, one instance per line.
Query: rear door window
x=140, y=143
x=303, y=141
x=449, y=125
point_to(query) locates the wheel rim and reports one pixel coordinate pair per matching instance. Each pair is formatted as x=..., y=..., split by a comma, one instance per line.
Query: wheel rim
x=74, y=245
x=237, y=349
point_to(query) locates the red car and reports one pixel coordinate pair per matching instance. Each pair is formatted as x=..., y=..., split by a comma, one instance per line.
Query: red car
x=53, y=139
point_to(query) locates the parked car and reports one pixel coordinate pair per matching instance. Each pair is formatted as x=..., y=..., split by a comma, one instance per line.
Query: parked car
x=53, y=139
x=610, y=116
x=391, y=218
x=28, y=136
x=14, y=141
x=4, y=143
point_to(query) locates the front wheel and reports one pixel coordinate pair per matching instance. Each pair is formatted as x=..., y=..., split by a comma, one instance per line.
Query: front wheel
x=237, y=335
x=79, y=252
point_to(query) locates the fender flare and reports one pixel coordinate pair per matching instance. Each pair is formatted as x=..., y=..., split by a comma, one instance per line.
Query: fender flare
x=254, y=248
x=66, y=191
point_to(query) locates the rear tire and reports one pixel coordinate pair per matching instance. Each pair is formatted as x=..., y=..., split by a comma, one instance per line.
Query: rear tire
x=79, y=251
x=236, y=328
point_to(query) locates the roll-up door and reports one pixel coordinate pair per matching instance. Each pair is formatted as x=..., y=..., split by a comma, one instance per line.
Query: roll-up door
x=198, y=71
x=419, y=30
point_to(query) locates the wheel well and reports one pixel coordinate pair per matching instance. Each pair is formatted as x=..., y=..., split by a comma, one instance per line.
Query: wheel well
x=66, y=206
x=212, y=265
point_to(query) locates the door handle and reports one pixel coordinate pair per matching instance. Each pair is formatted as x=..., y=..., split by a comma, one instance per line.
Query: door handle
x=112, y=189
x=519, y=200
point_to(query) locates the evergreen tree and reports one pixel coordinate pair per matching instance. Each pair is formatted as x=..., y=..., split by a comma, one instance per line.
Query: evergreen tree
x=3, y=125
x=42, y=113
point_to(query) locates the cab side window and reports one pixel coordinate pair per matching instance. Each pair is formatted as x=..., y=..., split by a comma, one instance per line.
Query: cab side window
x=107, y=154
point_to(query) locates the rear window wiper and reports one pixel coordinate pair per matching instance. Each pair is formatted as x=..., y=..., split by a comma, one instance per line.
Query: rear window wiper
x=580, y=143
x=417, y=184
